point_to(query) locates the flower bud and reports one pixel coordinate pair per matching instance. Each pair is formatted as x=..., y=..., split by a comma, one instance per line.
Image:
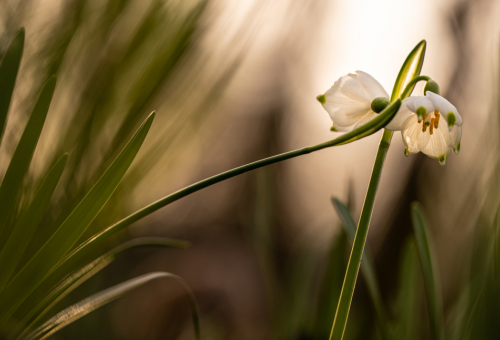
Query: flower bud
x=432, y=86
x=379, y=104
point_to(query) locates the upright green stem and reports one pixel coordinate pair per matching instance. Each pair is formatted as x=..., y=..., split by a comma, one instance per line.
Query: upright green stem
x=359, y=241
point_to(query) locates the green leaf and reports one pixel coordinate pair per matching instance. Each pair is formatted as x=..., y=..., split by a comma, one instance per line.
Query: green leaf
x=84, y=307
x=24, y=230
x=83, y=274
x=21, y=159
x=410, y=69
x=429, y=270
x=61, y=242
x=8, y=74
x=408, y=294
x=367, y=267
x=331, y=285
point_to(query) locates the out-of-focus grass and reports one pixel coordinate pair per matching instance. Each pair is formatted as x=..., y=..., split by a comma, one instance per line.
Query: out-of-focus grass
x=111, y=80
x=116, y=60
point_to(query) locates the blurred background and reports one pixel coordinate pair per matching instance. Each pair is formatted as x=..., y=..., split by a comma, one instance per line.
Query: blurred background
x=236, y=81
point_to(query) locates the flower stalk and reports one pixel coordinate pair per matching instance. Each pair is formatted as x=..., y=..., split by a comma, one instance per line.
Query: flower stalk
x=94, y=242
x=402, y=89
x=358, y=246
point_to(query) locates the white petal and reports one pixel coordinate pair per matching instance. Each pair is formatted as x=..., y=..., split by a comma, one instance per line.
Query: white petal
x=421, y=101
x=444, y=106
x=396, y=124
x=439, y=143
x=366, y=118
x=371, y=85
x=346, y=102
x=413, y=138
x=456, y=136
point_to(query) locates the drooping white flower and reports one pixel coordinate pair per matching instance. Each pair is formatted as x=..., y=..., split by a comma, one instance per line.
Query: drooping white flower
x=348, y=101
x=429, y=124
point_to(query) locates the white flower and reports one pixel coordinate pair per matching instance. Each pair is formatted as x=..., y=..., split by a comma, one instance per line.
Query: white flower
x=349, y=100
x=428, y=124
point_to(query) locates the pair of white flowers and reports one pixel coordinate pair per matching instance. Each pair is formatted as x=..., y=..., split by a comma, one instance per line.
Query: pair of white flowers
x=428, y=124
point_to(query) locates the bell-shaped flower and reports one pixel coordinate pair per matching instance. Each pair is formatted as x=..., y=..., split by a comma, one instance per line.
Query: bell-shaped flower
x=429, y=124
x=349, y=100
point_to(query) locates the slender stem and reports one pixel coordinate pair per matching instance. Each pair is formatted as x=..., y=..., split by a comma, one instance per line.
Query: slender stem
x=367, y=129
x=359, y=241
x=411, y=84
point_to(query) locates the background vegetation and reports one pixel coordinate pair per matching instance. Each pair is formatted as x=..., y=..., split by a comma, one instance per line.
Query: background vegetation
x=236, y=82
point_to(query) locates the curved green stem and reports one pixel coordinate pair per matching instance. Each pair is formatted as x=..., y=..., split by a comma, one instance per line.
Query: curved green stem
x=411, y=84
x=365, y=130
x=359, y=240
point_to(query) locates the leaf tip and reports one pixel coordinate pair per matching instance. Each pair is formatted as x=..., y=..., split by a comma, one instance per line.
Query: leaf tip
x=415, y=206
x=21, y=32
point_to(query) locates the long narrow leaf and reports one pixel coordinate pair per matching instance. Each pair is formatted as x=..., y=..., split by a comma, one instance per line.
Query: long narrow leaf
x=411, y=68
x=83, y=274
x=21, y=159
x=21, y=236
x=429, y=270
x=72, y=228
x=367, y=267
x=104, y=297
x=8, y=74
x=331, y=285
x=407, y=298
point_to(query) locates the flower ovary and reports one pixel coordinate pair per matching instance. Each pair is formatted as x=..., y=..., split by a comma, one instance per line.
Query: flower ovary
x=379, y=104
x=431, y=86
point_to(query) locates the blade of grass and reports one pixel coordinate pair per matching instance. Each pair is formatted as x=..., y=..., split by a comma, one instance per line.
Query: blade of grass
x=20, y=237
x=72, y=228
x=84, y=307
x=21, y=159
x=406, y=303
x=8, y=74
x=429, y=271
x=363, y=131
x=332, y=284
x=367, y=266
x=83, y=274
x=411, y=68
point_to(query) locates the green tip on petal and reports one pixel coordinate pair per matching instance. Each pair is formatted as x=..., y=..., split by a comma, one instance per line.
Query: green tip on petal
x=442, y=159
x=421, y=112
x=432, y=86
x=321, y=98
x=334, y=129
x=407, y=152
x=451, y=119
x=457, y=149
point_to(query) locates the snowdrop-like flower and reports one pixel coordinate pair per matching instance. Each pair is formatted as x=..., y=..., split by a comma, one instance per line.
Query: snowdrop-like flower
x=428, y=124
x=349, y=100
